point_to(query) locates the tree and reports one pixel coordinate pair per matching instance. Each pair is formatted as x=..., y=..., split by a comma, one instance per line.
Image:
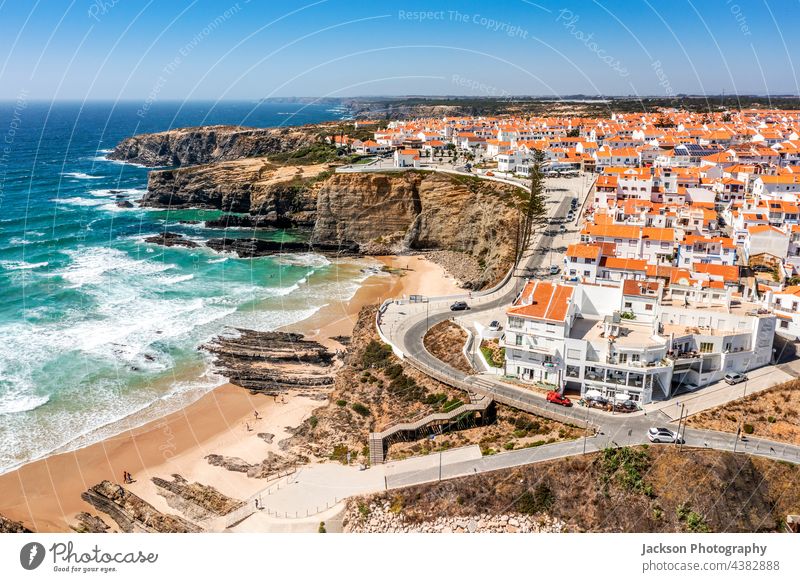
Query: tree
x=532, y=212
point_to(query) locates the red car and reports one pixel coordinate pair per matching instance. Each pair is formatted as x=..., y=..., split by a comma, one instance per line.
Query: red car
x=557, y=398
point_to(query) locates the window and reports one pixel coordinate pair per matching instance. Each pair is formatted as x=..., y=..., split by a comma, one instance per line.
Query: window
x=784, y=324
x=706, y=347
x=515, y=322
x=635, y=357
x=628, y=305
x=623, y=358
x=518, y=340
x=648, y=307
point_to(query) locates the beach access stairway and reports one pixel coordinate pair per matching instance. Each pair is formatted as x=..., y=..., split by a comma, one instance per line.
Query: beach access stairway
x=378, y=440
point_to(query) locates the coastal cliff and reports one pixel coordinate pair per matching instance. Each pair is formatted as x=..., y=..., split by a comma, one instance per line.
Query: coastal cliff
x=274, y=196
x=213, y=143
x=281, y=178
x=420, y=211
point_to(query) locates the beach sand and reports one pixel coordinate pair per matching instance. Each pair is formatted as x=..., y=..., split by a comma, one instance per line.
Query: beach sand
x=45, y=494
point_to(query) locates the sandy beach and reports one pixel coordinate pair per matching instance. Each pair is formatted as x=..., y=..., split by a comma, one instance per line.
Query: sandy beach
x=45, y=494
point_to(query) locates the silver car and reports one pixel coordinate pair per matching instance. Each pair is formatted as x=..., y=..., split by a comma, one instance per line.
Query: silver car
x=663, y=435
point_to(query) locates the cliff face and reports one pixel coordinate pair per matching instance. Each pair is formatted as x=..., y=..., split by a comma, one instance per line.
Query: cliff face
x=389, y=213
x=215, y=143
x=278, y=196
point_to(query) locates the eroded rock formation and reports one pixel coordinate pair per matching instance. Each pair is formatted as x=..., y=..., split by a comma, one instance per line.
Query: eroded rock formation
x=272, y=362
x=214, y=143
x=195, y=500
x=131, y=512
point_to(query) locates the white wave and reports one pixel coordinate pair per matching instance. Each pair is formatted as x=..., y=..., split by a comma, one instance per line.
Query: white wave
x=176, y=279
x=91, y=265
x=77, y=201
x=112, y=192
x=219, y=260
x=21, y=265
x=80, y=176
x=303, y=260
x=10, y=404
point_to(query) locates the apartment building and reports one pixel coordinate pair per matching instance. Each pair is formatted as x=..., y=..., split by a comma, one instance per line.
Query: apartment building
x=639, y=339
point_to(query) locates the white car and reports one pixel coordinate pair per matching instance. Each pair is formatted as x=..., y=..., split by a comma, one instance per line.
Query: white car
x=495, y=326
x=663, y=435
x=734, y=378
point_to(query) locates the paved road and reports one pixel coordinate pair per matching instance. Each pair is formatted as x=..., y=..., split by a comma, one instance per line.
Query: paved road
x=405, y=326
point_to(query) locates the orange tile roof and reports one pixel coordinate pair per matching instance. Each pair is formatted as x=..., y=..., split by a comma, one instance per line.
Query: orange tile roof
x=624, y=264
x=633, y=287
x=727, y=272
x=612, y=230
x=583, y=251
x=543, y=300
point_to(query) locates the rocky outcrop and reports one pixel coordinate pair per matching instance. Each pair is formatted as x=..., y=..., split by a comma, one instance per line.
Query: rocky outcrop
x=272, y=362
x=273, y=196
x=255, y=247
x=362, y=516
x=171, y=239
x=88, y=523
x=131, y=512
x=395, y=213
x=10, y=526
x=270, y=467
x=195, y=500
x=214, y=143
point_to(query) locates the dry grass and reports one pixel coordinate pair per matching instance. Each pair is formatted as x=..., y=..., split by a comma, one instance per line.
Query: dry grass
x=726, y=492
x=773, y=414
x=446, y=341
x=511, y=430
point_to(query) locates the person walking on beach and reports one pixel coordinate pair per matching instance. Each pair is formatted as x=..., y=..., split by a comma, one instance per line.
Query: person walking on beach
x=258, y=416
x=247, y=424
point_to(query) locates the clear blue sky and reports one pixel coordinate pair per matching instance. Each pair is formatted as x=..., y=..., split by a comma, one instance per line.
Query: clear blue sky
x=184, y=49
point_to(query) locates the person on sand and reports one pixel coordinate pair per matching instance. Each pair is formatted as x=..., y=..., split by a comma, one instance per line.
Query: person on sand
x=247, y=424
x=258, y=416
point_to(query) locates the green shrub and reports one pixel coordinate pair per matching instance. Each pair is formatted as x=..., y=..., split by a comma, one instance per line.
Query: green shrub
x=748, y=428
x=771, y=419
x=541, y=499
x=626, y=466
x=341, y=402
x=321, y=528
x=340, y=454
x=313, y=421
x=359, y=408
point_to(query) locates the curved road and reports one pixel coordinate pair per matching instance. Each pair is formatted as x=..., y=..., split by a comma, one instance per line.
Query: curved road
x=405, y=324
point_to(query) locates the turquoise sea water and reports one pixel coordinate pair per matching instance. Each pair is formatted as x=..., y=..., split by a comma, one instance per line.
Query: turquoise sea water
x=99, y=330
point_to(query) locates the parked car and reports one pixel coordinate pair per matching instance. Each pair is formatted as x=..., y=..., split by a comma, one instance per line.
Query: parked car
x=554, y=269
x=495, y=326
x=562, y=229
x=735, y=378
x=557, y=398
x=663, y=435
x=459, y=306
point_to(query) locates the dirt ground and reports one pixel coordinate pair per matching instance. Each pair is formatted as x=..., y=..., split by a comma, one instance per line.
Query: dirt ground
x=622, y=490
x=511, y=430
x=446, y=341
x=772, y=414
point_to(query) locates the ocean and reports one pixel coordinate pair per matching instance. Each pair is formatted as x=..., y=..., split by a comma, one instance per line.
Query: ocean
x=98, y=329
